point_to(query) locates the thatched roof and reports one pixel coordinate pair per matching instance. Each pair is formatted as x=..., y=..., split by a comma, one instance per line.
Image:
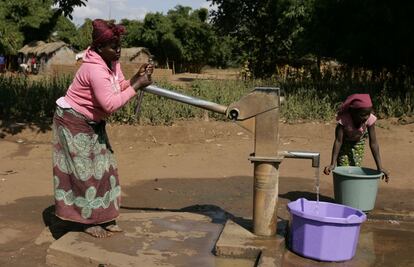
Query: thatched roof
x=40, y=47
x=129, y=54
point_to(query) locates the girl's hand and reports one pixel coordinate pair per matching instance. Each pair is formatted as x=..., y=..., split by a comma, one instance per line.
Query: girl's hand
x=385, y=176
x=328, y=169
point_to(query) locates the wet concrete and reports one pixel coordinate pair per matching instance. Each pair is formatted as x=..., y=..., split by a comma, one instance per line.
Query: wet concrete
x=149, y=239
x=187, y=239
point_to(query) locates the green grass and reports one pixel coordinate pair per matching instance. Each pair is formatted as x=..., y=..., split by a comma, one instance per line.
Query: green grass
x=34, y=101
x=30, y=101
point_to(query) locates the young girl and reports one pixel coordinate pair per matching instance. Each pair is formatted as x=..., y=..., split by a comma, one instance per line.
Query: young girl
x=355, y=122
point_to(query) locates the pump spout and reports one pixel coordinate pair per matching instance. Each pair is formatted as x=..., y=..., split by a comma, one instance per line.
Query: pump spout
x=314, y=156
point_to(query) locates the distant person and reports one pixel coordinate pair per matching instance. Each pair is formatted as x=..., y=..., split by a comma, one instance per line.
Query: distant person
x=355, y=122
x=33, y=65
x=19, y=60
x=86, y=184
x=2, y=64
x=24, y=68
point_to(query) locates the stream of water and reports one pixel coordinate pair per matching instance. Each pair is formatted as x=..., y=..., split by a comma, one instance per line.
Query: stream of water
x=317, y=189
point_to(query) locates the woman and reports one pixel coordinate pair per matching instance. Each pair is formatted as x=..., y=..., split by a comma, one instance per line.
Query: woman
x=87, y=191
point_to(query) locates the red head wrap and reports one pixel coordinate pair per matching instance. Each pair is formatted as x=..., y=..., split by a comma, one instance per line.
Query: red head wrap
x=356, y=101
x=104, y=31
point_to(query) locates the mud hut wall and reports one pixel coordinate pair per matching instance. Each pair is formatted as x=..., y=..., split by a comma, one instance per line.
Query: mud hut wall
x=62, y=60
x=63, y=56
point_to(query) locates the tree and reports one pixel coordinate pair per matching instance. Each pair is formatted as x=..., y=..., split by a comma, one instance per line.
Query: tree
x=133, y=37
x=222, y=52
x=83, y=38
x=23, y=21
x=196, y=36
x=17, y=18
x=65, y=30
x=183, y=36
x=158, y=36
x=266, y=31
x=370, y=34
x=66, y=7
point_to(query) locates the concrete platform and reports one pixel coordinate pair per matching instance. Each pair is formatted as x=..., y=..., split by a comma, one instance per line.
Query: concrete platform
x=149, y=239
x=190, y=239
x=237, y=242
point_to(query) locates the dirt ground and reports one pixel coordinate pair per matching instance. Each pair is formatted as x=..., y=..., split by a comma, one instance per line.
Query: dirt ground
x=190, y=163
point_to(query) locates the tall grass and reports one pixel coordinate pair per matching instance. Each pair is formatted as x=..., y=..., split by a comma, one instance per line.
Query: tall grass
x=320, y=99
x=30, y=101
x=34, y=101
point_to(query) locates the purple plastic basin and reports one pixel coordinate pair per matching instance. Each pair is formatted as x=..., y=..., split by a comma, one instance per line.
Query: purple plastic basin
x=326, y=232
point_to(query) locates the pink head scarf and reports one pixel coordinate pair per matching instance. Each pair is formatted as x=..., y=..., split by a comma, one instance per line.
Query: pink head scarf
x=104, y=31
x=355, y=101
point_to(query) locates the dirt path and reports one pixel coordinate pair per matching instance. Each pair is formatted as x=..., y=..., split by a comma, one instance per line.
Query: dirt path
x=190, y=163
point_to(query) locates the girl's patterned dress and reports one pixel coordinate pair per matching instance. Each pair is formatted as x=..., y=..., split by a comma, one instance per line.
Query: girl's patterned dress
x=353, y=147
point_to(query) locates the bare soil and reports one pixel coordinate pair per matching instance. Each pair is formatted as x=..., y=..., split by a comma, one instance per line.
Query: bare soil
x=188, y=164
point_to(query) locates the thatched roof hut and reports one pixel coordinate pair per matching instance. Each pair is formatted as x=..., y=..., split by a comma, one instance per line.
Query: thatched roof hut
x=48, y=55
x=38, y=48
x=31, y=47
x=133, y=55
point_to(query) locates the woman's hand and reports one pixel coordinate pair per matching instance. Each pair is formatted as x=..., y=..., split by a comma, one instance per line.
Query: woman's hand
x=386, y=174
x=143, y=77
x=328, y=169
x=146, y=69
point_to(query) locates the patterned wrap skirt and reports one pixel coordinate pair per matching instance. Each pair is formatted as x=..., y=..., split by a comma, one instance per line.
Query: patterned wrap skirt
x=352, y=152
x=86, y=185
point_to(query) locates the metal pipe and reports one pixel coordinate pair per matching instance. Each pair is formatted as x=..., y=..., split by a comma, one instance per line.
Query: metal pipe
x=314, y=156
x=185, y=99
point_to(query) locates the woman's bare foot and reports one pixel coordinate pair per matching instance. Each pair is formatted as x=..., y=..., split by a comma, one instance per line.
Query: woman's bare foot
x=114, y=228
x=97, y=231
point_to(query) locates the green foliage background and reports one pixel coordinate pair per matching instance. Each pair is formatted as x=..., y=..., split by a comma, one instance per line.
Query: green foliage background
x=363, y=36
x=23, y=100
x=375, y=35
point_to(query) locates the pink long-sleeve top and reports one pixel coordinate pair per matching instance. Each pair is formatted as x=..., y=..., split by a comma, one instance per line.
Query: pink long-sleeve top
x=97, y=91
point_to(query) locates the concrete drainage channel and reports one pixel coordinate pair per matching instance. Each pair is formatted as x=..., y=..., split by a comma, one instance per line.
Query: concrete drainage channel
x=237, y=242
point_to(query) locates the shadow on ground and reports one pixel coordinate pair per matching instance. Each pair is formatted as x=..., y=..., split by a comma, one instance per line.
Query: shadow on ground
x=10, y=127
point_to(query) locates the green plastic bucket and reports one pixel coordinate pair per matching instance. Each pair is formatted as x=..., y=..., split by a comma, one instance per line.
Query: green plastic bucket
x=356, y=186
